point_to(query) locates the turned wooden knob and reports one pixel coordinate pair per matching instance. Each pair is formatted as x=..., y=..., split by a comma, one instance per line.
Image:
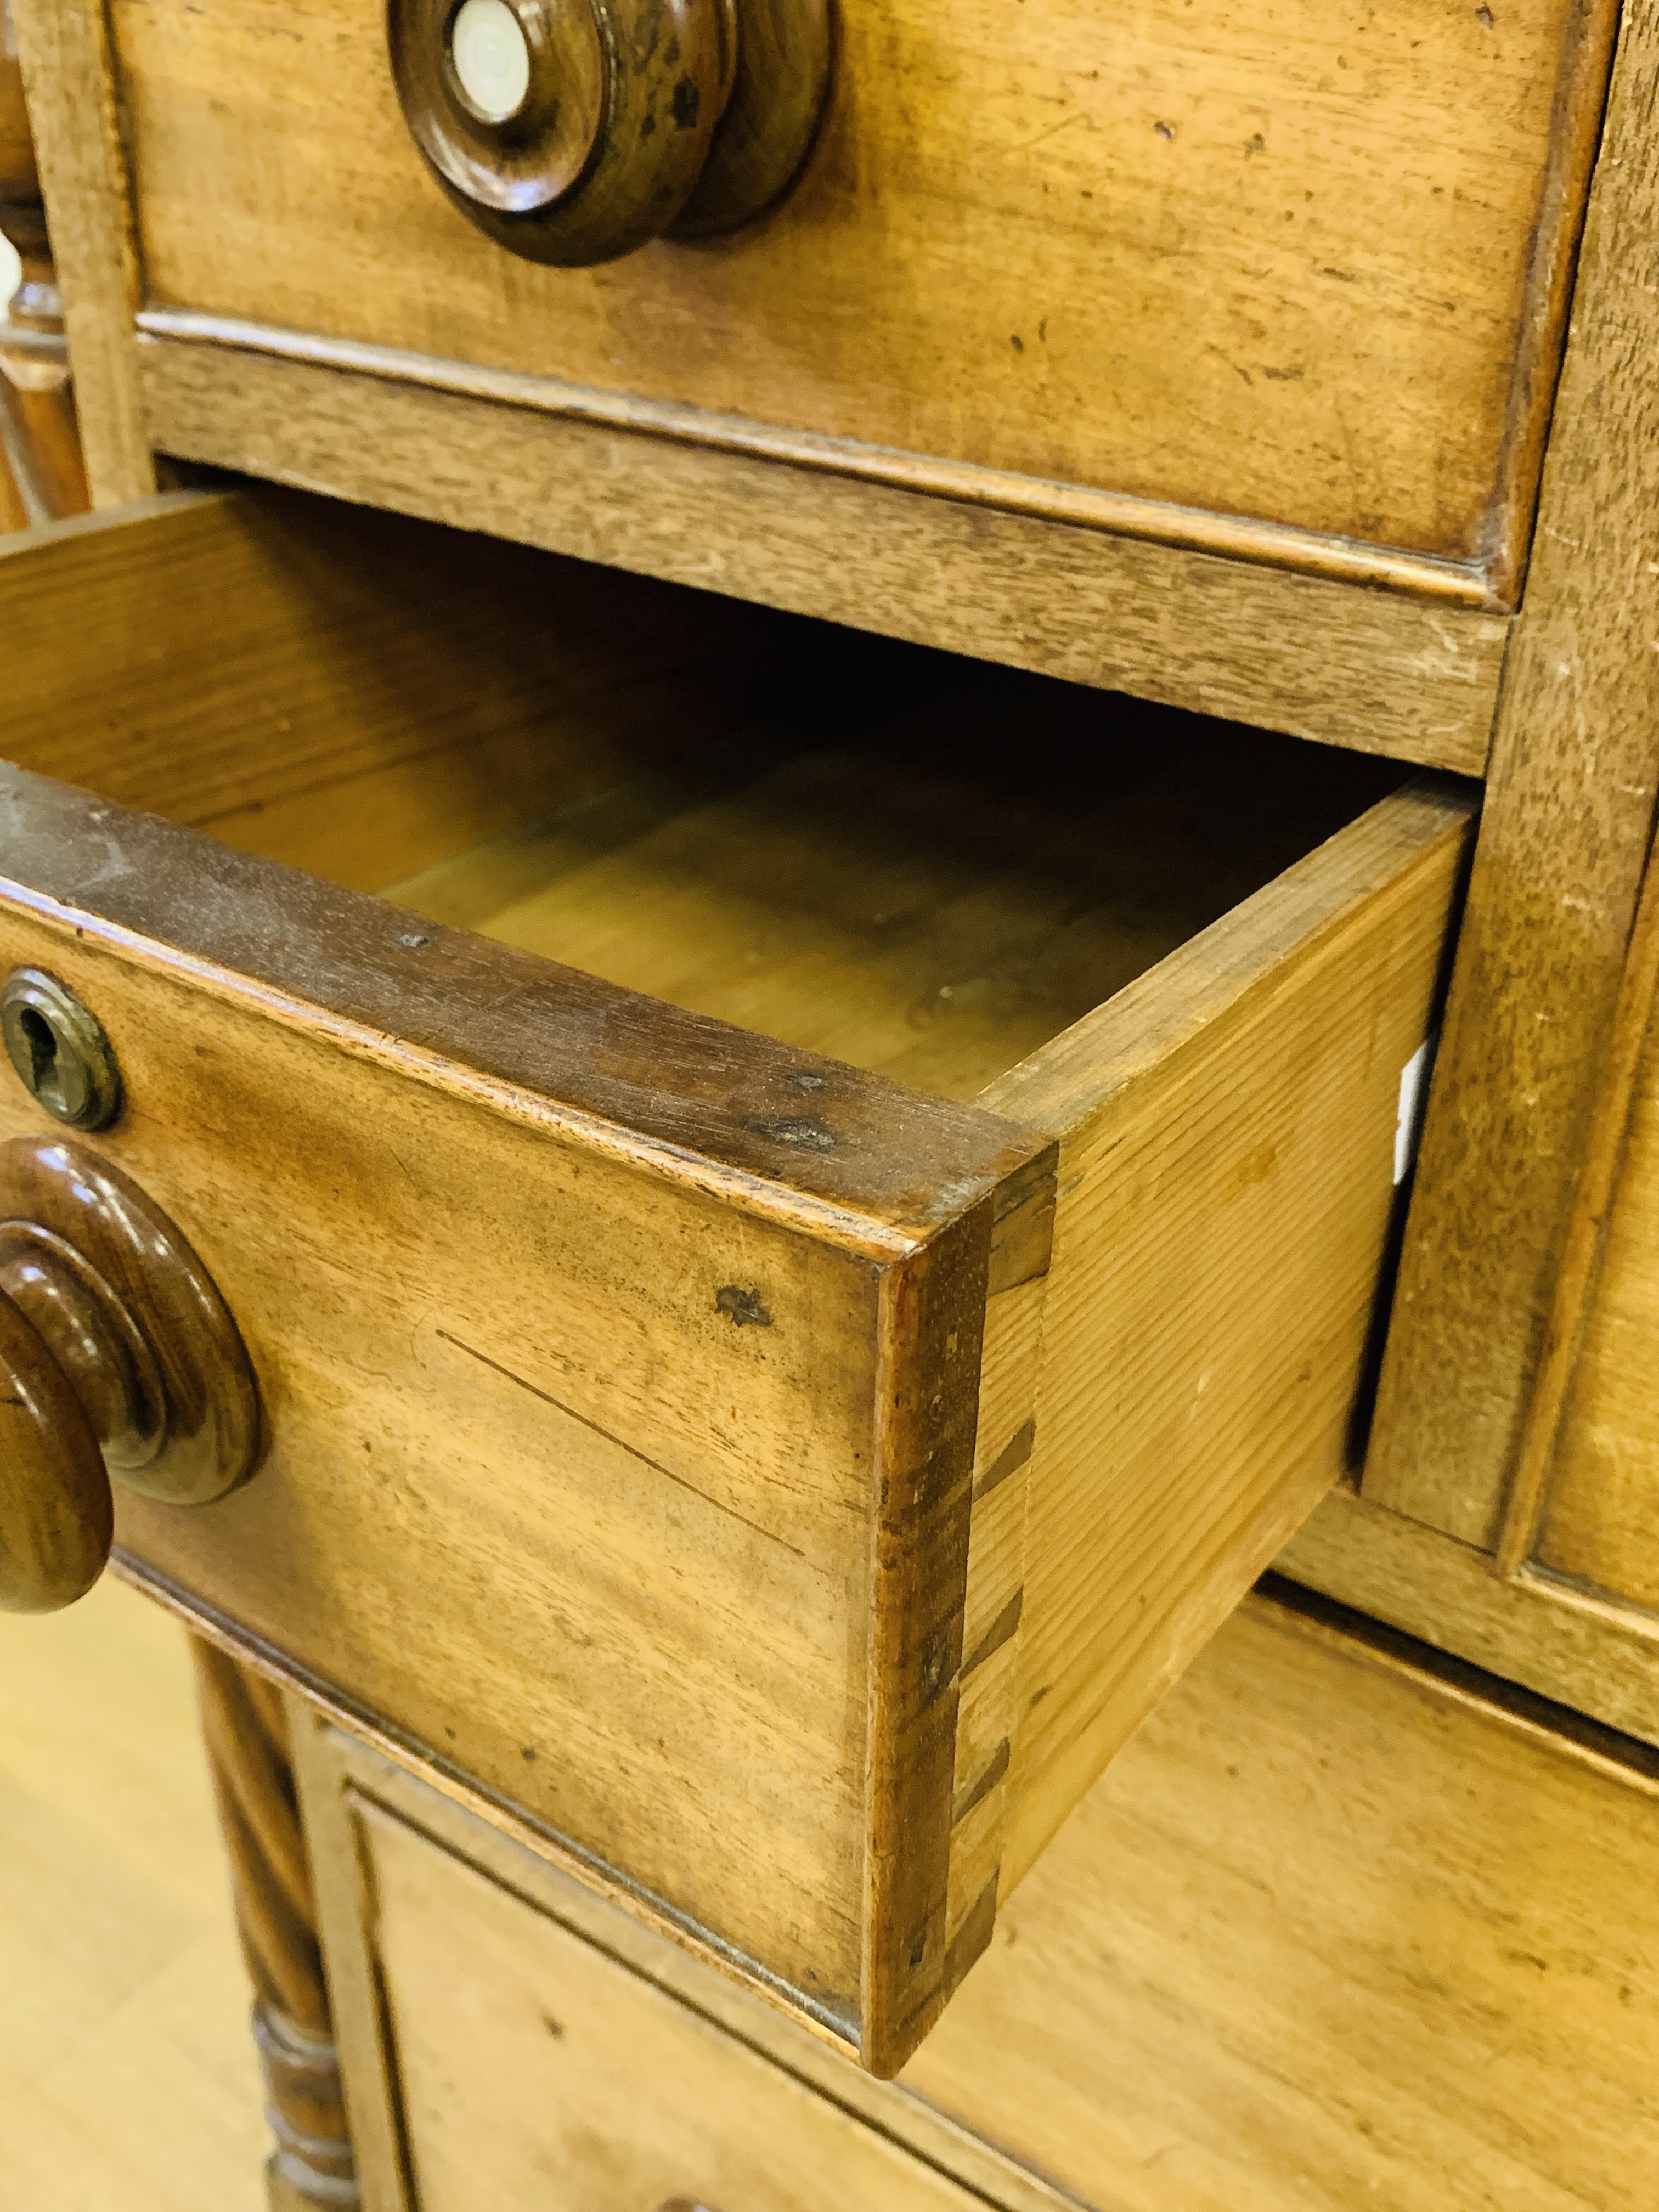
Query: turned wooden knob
x=573, y=131
x=119, y=1361
x=56, y=1512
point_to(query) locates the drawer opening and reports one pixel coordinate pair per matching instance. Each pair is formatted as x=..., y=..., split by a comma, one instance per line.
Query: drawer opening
x=932, y=893
x=912, y=862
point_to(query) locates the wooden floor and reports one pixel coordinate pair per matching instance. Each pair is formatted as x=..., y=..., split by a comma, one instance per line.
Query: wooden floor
x=127, y=2077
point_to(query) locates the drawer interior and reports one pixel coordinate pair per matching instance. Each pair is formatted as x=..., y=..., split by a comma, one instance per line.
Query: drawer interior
x=933, y=893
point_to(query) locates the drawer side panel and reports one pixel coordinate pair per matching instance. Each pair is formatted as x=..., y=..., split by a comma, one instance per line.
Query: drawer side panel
x=1228, y=1138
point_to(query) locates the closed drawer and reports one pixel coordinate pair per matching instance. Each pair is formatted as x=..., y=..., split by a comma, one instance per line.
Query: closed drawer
x=1290, y=1951
x=777, y=1435
x=523, y=2053
x=1284, y=283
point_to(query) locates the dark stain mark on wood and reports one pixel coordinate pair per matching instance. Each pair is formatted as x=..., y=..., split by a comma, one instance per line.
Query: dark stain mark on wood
x=935, y=1669
x=804, y=1132
x=743, y=1309
x=1023, y=1236
x=974, y=1936
x=971, y=1938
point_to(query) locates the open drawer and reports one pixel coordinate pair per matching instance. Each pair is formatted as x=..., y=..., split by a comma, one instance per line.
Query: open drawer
x=767, y=1407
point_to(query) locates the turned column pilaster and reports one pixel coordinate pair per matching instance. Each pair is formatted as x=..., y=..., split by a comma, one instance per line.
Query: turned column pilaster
x=246, y=1733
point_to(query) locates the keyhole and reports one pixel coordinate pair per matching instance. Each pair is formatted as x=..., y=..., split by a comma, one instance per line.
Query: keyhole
x=59, y=1049
x=45, y=1077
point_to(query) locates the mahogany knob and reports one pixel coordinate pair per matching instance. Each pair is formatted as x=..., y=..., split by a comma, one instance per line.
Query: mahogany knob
x=574, y=130
x=119, y=1361
x=56, y=1513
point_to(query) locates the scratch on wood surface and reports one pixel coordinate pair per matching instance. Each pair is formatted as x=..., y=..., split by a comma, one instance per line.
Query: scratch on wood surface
x=656, y=1465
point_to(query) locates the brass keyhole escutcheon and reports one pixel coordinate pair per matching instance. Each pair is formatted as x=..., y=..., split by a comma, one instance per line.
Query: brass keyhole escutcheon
x=58, y=1047
x=573, y=132
x=119, y=1363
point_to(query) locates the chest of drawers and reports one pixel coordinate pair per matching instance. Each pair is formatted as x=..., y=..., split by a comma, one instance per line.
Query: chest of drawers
x=806, y=1217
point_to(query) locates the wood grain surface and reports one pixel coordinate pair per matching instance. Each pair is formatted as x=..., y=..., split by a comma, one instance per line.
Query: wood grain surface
x=461, y=1141
x=1564, y=841
x=891, y=890
x=957, y=938
x=364, y=695
x=804, y=1129
x=245, y=1731
x=1306, y=269
x=1596, y=1203
x=632, y=2099
x=1374, y=670
x=1331, y=1931
x=1290, y=1951
x=1228, y=1121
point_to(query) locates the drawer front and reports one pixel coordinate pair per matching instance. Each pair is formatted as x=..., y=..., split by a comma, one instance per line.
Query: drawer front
x=783, y=1488
x=527, y=2060
x=573, y=1453
x=1190, y=273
